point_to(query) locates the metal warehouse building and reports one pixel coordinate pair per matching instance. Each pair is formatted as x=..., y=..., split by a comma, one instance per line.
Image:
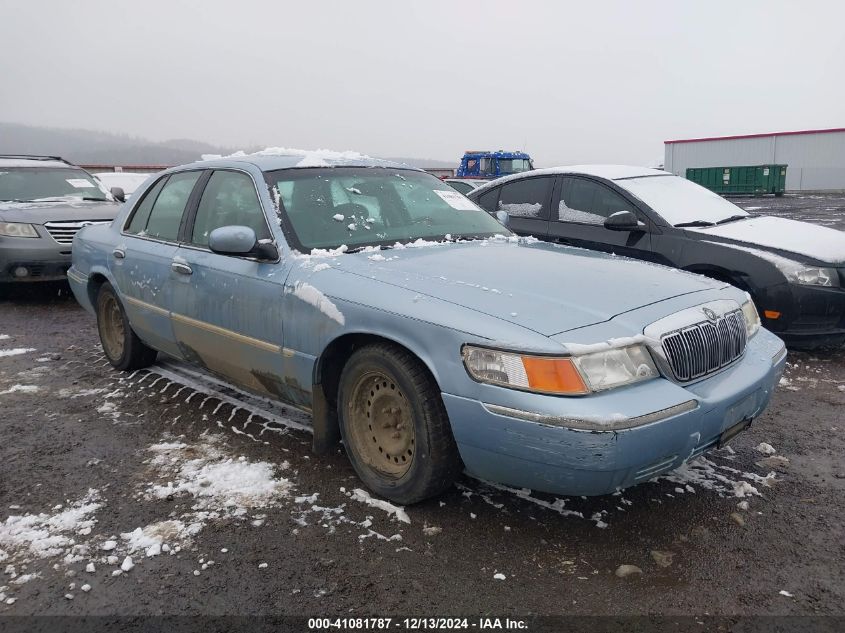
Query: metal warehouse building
x=815, y=158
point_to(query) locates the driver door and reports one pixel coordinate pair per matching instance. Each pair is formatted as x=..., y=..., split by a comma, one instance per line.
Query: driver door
x=580, y=210
x=227, y=313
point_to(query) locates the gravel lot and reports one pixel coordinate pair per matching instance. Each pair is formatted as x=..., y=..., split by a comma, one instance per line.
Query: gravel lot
x=163, y=492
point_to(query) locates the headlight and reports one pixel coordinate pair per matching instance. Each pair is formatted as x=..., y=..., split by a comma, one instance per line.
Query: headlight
x=752, y=318
x=17, y=229
x=814, y=276
x=798, y=273
x=570, y=376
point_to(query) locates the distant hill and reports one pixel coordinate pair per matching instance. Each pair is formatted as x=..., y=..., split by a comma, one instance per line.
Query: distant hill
x=88, y=147
x=423, y=163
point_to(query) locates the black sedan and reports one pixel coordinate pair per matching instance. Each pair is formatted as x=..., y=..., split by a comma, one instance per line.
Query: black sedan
x=794, y=271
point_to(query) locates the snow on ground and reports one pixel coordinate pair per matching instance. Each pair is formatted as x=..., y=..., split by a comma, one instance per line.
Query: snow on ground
x=393, y=510
x=720, y=478
x=16, y=351
x=20, y=389
x=30, y=537
x=214, y=480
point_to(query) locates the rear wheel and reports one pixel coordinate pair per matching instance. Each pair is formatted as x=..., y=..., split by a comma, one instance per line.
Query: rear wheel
x=123, y=349
x=394, y=425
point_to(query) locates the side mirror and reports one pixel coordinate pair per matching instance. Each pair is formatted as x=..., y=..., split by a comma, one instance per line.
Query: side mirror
x=240, y=240
x=623, y=221
x=118, y=194
x=503, y=217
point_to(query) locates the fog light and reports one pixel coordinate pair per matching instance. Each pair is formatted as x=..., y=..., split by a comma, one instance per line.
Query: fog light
x=21, y=271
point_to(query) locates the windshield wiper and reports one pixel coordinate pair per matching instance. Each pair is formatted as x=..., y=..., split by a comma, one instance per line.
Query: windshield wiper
x=95, y=199
x=358, y=249
x=695, y=223
x=733, y=218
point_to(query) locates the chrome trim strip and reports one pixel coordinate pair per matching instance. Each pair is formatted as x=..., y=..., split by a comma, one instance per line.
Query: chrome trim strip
x=208, y=327
x=147, y=306
x=596, y=424
x=235, y=336
x=780, y=355
x=77, y=277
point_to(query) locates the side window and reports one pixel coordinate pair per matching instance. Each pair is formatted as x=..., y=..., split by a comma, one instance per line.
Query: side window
x=487, y=166
x=166, y=214
x=229, y=199
x=588, y=202
x=139, y=219
x=489, y=200
x=526, y=198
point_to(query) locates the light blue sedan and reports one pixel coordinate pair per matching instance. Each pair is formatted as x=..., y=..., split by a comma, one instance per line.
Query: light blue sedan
x=422, y=332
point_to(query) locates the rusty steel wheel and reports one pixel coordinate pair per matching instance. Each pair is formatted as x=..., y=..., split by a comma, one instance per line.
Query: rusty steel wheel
x=384, y=437
x=112, y=331
x=394, y=424
x=124, y=350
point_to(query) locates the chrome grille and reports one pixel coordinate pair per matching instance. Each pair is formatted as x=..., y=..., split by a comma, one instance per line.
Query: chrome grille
x=63, y=230
x=705, y=347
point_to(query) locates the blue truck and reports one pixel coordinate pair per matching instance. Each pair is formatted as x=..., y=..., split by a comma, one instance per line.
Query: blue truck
x=485, y=164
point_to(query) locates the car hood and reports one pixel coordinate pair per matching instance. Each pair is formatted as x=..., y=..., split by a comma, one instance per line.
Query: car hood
x=791, y=236
x=41, y=212
x=546, y=288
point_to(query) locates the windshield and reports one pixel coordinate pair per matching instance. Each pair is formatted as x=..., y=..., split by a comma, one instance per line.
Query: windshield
x=32, y=184
x=514, y=166
x=679, y=201
x=359, y=206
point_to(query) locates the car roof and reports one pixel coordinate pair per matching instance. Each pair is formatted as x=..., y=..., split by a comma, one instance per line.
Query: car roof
x=610, y=172
x=23, y=160
x=280, y=158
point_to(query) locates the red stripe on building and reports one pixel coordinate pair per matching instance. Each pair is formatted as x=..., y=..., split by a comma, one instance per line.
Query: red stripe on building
x=738, y=136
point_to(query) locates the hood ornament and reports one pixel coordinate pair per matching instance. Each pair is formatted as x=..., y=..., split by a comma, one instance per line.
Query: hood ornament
x=711, y=316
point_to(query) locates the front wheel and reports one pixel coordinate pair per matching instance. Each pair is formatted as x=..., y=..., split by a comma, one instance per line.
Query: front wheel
x=123, y=349
x=394, y=425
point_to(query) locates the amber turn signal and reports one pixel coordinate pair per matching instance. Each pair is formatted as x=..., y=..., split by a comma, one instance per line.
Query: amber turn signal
x=553, y=375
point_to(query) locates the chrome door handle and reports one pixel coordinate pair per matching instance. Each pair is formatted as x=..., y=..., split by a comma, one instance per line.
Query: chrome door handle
x=181, y=268
x=119, y=253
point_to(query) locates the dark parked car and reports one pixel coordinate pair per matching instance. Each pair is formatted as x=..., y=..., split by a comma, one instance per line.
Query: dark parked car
x=794, y=271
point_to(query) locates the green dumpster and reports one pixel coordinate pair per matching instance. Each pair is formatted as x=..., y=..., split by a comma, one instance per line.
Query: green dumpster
x=754, y=180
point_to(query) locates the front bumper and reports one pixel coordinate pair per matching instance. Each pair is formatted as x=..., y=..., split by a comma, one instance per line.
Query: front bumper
x=810, y=316
x=26, y=259
x=567, y=461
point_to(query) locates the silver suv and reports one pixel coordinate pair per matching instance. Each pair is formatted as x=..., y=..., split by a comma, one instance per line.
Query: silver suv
x=44, y=201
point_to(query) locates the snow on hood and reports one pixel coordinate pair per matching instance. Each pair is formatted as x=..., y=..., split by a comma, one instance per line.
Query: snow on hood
x=531, y=285
x=817, y=242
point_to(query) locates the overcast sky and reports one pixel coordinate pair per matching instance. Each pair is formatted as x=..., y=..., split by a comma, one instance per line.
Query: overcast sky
x=567, y=81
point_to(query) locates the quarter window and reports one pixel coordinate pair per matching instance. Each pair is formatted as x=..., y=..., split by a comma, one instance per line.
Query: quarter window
x=489, y=200
x=229, y=199
x=588, y=202
x=525, y=198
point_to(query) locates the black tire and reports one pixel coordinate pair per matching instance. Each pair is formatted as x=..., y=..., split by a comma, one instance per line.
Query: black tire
x=122, y=347
x=433, y=462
